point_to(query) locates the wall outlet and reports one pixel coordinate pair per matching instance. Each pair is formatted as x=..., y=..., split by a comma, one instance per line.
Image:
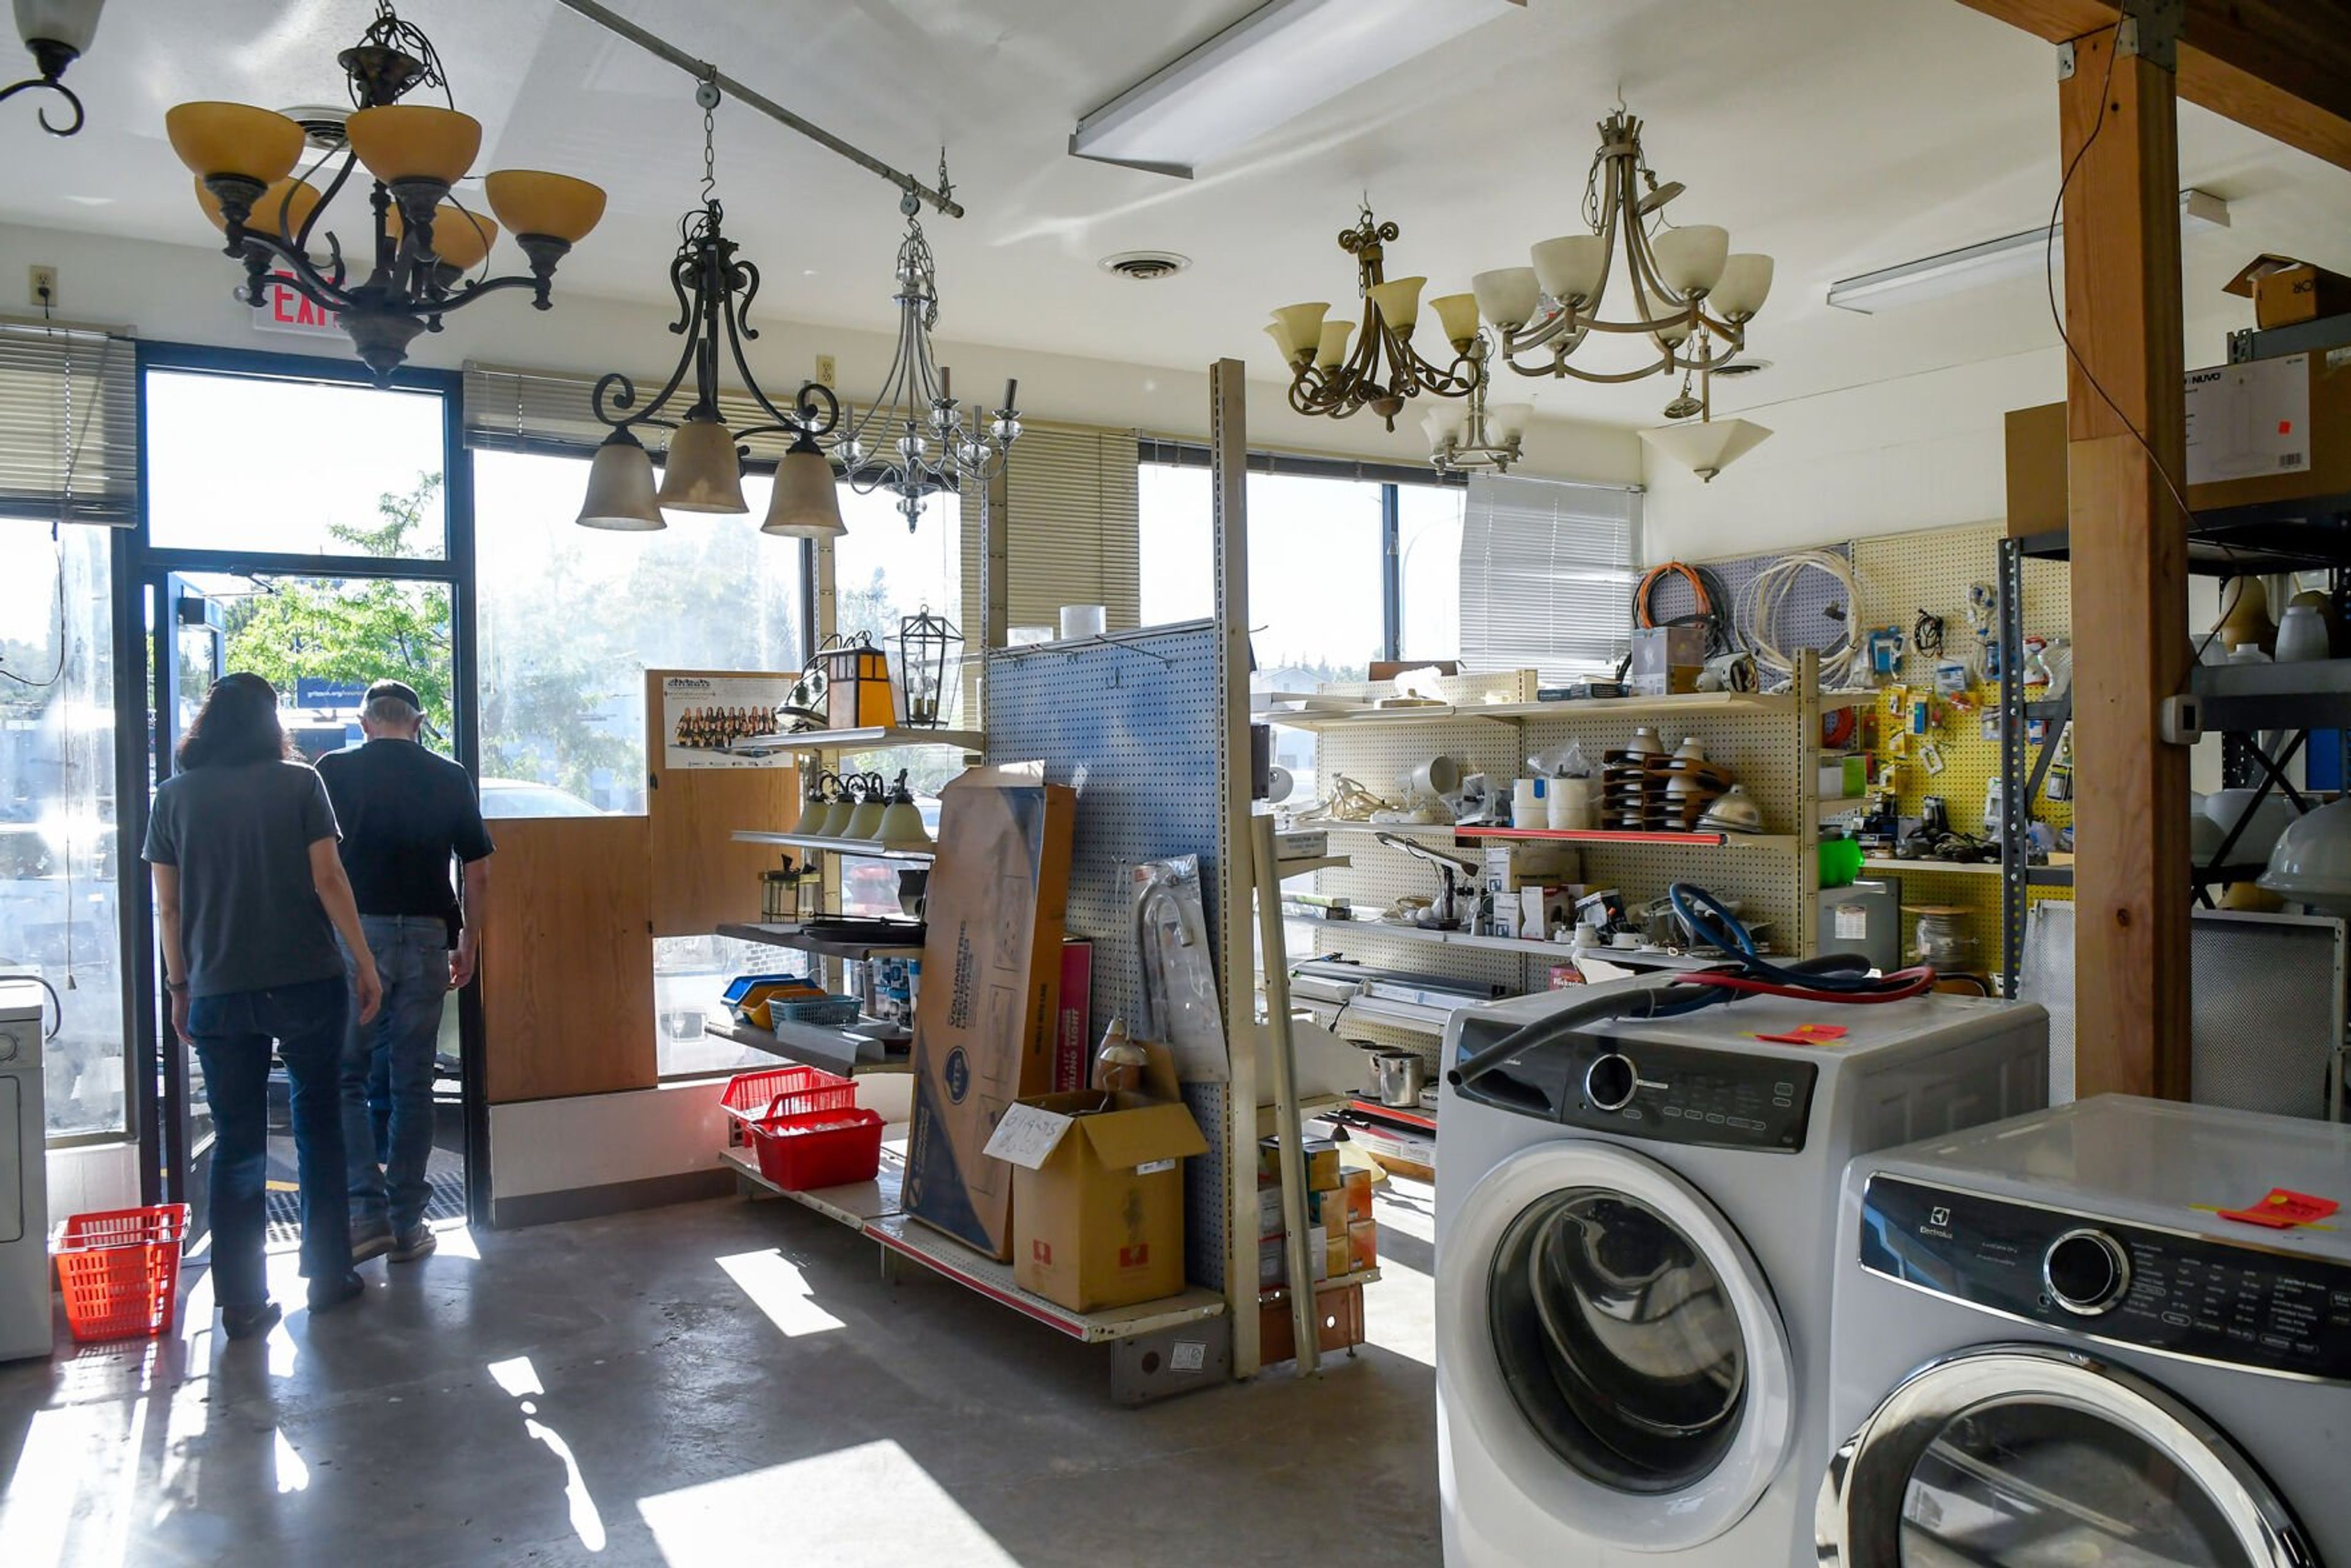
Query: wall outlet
x=826, y=369
x=42, y=288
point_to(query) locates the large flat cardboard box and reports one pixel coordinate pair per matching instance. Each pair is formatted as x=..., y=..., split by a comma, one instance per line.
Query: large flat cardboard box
x=1097, y=1196
x=986, y=1021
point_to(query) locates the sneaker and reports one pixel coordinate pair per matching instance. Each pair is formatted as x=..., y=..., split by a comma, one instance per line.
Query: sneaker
x=413, y=1243
x=371, y=1242
x=329, y=1294
x=243, y=1322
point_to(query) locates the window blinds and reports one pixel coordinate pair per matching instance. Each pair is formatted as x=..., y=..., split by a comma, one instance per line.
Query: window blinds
x=1070, y=535
x=68, y=425
x=509, y=410
x=1547, y=573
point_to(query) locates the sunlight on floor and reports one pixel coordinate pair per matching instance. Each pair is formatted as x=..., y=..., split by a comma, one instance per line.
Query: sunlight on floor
x=703, y=1524
x=292, y=1475
x=521, y=1382
x=457, y=1242
x=1400, y=1312
x=777, y=1289
x=518, y=1378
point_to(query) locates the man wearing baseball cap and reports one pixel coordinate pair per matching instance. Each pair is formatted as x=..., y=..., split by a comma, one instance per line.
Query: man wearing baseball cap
x=406, y=815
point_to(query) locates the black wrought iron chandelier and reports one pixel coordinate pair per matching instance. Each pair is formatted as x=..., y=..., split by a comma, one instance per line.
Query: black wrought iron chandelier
x=703, y=470
x=914, y=439
x=413, y=271
x=1382, y=370
x=58, y=33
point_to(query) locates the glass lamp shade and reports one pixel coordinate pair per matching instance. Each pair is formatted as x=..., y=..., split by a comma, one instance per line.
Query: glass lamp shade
x=1690, y=260
x=805, y=503
x=1706, y=447
x=72, y=23
x=702, y=472
x=415, y=142
x=1672, y=326
x=1508, y=420
x=1570, y=268
x=1508, y=296
x=862, y=821
x=1443, y=424
x=1398, y=302
x=257, y=144
x=533, y=202
x=1745, y=284
x=621, y=488
x=1281, y=344
x=902, y=827
x=1297, y=328
x=1332, y=351
x=460, y=238
x=289, y=201
x=1456, y=314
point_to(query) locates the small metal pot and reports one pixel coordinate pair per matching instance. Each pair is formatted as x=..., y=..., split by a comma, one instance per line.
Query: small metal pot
x=1398, y=1077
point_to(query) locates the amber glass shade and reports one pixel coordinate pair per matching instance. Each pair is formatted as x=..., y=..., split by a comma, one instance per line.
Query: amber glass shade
x=459, y=237
x=259, y=144
x=621, y=488
x=415, y=142
x=1398, y=302
x=805, y=504
x=532, y=202
x=292, y=200
x=1457, y=314
x=701, y=473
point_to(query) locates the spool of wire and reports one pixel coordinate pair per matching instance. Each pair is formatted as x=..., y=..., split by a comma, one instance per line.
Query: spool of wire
x=1941, y=939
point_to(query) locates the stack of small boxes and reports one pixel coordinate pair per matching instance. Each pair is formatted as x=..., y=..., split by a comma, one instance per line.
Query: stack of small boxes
x=1533, y=888
x=1342, y=1237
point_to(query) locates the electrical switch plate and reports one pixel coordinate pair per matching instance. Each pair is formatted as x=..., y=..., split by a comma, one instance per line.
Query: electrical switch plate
x=42, y=288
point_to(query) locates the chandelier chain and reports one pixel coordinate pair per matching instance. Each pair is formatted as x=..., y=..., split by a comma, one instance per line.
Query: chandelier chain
x=707, y=96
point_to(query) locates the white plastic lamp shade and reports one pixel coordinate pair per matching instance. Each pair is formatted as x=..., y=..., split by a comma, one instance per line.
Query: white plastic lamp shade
x=1508, y=296
x=1746, y=282
x=1706, y=447
x=1457, y=314
x=1332, y=350
x=620, y=487
x=2312, y=862
x=1297, y=328
x=1570, y=268
x=1690, y=260
x=805, y=503
x=1673, y=325
x=1398, y=302
x=72, y=23
x=1443, y=424
x=1508, y=420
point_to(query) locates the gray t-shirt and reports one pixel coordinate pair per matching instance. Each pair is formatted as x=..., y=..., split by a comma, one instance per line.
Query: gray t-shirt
x=249, y=917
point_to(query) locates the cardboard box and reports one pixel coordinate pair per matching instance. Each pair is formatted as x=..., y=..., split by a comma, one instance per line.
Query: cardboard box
x=1321, y=1163
x=1665, y=660
x=1073, y=1036
x=986, y=1026
x=2036, y=470
x=1515, y=865
x=1335, y=1253
x=1097, y=1196
x=1350, y=1201
x=1273, y=1256
x=2286, y=291
x=1362, y=1246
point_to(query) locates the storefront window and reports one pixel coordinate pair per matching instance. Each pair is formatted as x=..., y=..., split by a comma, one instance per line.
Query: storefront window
x=60, y=849
x=570, y=618
x=1428, y=568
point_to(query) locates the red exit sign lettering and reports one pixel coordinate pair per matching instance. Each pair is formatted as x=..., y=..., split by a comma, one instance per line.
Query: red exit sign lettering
x=284, y=310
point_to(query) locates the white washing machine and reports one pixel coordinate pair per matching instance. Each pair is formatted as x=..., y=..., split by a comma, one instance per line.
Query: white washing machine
x=23, y=1176
x=2052, y=1349
x=1634, y=1231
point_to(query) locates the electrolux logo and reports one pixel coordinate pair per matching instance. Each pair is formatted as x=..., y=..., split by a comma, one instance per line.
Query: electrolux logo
x=1938, y=1223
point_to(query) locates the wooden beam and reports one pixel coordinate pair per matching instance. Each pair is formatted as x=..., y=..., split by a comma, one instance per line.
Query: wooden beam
x=2282, y=67
x=2130, y=572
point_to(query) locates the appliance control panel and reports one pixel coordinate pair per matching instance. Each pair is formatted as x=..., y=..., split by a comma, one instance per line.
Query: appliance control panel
x=1685, y=1094
x=2242, y=1305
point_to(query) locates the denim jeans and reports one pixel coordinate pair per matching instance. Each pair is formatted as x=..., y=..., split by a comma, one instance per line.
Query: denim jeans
x=388, y=1072
x=232, y=1035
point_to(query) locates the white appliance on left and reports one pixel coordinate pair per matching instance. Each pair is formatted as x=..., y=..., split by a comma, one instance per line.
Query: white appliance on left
x=24, y=1178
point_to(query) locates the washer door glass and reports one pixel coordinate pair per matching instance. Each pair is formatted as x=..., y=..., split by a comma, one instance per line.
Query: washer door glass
x=2023, y=1485
x=1617, y=1340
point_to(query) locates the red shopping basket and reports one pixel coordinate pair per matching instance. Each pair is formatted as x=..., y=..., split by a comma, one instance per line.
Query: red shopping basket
x=819, y=1149
x=120, y=1270
x=782, y=1092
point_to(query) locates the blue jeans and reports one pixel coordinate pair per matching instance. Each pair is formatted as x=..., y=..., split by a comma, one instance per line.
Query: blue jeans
x=388, y=1072
x=232, y=1035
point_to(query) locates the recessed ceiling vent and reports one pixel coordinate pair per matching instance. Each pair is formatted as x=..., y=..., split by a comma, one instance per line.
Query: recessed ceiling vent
x=1743, y=368
x=322, y=123
x=1145, y=265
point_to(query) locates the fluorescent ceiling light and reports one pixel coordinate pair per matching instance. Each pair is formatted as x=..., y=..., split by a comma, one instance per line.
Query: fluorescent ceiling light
x=1973, y=267
x=1273, y=65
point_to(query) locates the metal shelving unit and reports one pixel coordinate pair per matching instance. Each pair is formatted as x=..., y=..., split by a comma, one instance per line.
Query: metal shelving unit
x=813, y=1045
x=868, y=849
x=802, y=939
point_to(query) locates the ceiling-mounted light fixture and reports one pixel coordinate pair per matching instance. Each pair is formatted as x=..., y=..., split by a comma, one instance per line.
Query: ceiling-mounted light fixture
x=914, y=440
x=58, y=32
x=2022, y=254
x=412, y=271
x=1475, y=438
x=1379, y=369
x=1280, y=61
x=704, y=470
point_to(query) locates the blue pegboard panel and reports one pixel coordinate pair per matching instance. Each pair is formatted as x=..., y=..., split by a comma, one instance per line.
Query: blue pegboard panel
x=1803, y=619
x=1131, y=723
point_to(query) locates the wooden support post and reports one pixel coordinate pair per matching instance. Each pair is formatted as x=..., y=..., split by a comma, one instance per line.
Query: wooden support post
x=2130, y=568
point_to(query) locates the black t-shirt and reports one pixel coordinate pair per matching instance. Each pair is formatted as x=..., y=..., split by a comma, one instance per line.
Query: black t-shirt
x=404, y=811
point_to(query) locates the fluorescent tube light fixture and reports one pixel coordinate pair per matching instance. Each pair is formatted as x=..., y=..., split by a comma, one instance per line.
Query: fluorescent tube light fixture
x=1975, y=266
x=1273, y=65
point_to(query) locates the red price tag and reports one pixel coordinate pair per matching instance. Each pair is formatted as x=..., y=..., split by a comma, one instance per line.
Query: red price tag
x=2284, y=1209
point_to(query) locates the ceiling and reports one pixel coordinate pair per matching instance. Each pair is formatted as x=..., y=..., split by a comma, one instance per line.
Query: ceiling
x=1838, y=135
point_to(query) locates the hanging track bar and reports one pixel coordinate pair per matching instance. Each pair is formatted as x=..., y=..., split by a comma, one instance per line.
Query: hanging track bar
x=701, y=71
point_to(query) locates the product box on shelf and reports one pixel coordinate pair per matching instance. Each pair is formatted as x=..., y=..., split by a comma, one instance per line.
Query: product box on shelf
x=1338, y=1205
x=1098, y=1194
x=1521, y=863
x=1666, y=659
x=1322, y=1171
x=2286, y=291
x=1273, y=1256
x=987, y=1022
x=1362, y=1246
x=1072, y=1043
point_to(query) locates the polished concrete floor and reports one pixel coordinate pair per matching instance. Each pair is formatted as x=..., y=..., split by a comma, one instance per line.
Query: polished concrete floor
x=718, y=1383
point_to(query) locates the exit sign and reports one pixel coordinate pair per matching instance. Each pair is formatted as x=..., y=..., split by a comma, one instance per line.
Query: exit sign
x=282, y=309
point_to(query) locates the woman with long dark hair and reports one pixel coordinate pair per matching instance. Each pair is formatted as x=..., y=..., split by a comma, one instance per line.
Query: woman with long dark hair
x=249, y=896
